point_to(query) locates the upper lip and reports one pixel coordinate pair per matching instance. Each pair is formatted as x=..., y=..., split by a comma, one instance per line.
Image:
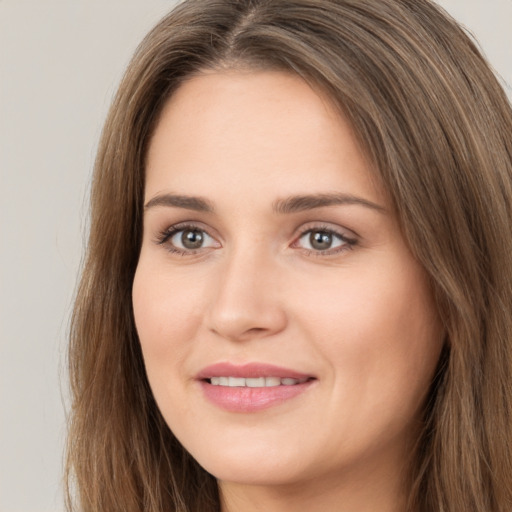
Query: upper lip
x=249, y=370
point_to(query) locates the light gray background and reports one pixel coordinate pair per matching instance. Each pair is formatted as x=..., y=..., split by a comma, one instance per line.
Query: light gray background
x=60, y=62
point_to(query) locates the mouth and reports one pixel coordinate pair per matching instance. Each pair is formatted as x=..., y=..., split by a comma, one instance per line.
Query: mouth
x=255, y=382
x=251, y=387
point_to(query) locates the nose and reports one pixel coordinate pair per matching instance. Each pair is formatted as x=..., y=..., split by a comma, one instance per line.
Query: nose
x=247, y=302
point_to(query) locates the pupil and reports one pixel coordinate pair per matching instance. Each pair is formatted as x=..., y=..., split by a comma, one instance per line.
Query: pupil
x=320, y=240
x=192, y=239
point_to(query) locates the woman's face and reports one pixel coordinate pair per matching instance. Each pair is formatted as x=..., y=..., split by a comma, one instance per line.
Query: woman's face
x=287, y=331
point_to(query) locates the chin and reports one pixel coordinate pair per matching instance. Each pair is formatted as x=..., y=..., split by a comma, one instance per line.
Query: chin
x=252, y=464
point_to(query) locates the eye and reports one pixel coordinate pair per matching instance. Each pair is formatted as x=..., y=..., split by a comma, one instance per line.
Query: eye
x=187, y=239
x=324, y=241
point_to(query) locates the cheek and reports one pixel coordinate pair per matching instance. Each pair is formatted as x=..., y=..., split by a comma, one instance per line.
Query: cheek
x=380, y=332
x=167, y=317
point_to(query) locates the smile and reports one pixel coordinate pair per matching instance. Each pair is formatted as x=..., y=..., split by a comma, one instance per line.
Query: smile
x=255, y=382
x=252, y=387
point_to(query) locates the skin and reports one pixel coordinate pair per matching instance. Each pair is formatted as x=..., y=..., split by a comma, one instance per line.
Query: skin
x=359, y=317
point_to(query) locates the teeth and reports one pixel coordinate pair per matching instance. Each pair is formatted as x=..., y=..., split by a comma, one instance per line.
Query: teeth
x=236, y=382
x=255, y=382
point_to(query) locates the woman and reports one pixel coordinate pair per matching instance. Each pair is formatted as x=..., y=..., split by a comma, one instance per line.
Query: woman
x=298, y=281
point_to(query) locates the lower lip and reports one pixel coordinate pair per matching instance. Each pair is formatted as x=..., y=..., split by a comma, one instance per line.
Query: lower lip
x=246, y=399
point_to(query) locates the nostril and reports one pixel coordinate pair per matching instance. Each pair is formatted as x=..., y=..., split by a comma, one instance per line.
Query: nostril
x=256, y=330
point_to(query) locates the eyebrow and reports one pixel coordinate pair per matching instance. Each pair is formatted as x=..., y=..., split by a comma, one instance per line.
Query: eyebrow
x=309, y=202
x=292, y=204
x=197, y=204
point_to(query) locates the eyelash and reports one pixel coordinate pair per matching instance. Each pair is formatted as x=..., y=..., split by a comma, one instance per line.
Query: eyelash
x=167, y=235
x=347, y=242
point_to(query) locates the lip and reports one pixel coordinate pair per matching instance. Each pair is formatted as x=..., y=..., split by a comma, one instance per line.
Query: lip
x=247, y=399
x=249, y=370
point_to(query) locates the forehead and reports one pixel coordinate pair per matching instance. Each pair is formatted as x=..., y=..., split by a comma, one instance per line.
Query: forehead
x=264, y=127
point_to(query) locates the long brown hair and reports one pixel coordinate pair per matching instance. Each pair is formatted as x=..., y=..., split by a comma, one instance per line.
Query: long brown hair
x=437, y=126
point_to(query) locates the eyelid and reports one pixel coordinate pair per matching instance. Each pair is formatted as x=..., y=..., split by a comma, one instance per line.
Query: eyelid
x=349, y=238
x=164, y=237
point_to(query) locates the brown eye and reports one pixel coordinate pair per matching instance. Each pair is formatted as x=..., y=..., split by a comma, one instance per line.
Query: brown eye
x=192, y=238
x=188, y=239
x=320, y=240
x=324, y=241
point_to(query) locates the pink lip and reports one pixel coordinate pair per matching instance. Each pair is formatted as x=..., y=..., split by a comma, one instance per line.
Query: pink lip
x=249, y=370
x=247, y=399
